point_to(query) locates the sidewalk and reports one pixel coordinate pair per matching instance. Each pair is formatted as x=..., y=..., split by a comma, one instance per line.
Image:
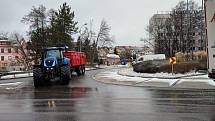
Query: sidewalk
x=160, y=80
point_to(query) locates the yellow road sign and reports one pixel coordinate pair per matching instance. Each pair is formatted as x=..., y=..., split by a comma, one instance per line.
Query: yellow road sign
x=172, y=60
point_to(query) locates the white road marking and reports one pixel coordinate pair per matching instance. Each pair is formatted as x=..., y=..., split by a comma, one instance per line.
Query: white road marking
x=11, y=84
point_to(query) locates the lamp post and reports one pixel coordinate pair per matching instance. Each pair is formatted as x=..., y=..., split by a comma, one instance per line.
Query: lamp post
x=79, y=38
x=202, y=25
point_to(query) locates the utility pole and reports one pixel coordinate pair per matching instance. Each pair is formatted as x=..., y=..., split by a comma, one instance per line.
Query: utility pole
x=202, y=25
x=79, y=38
x=187, y=17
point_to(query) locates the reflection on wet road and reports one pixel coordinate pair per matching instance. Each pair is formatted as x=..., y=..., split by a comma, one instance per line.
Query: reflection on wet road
x=87, y=100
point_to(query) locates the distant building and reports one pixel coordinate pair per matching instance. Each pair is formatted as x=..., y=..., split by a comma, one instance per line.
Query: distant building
x=102, y=55
x=186, y=35
x=113, y=59
x=9, y=53
x=134, y=51
x=155, y=22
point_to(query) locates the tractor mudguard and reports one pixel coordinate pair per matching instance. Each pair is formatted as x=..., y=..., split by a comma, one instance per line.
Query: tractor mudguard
x=66, y=61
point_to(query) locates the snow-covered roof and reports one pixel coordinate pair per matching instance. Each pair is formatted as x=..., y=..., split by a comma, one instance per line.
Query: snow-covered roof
x=113, y=56
x=152, y=57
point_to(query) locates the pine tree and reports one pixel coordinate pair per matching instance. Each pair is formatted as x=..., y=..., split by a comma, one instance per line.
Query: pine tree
x=62, y=27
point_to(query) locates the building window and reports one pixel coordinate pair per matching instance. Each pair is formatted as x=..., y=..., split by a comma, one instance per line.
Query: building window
x=9, y=50
x=16, y=50
x=2, y=58
x=194, y=48
x=4, y=64
x=2, y=50
x=10, y=58
x=200, y=48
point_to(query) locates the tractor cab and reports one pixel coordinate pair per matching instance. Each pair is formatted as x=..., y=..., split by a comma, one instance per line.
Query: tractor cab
x=53, y=56
x=56, y=52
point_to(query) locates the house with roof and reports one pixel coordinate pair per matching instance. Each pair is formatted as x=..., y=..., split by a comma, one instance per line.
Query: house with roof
x=9, y=54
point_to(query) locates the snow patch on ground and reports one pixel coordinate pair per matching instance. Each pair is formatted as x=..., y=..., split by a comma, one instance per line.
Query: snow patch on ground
x=112, y=66
x=130, y=72
x=195, y=82
x=208, y=81
x=114, y=75
x=17, y=76
x=88, y=69
x=11, y=84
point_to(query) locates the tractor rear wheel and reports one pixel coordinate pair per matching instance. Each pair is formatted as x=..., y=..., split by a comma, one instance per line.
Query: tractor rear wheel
x=82, y=70
x=65, y=74
x=78, y=70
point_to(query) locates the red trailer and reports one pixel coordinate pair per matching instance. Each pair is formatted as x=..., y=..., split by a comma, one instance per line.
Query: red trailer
x=77, y=61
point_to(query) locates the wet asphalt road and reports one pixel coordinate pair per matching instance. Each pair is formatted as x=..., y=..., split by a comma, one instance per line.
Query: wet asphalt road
x=87, y=100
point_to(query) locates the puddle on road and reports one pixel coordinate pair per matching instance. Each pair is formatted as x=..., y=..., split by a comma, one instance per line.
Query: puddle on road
x=62, y=92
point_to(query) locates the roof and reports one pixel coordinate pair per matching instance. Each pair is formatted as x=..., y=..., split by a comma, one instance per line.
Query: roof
x=54, y=48
x=152, y=57
x=113, y=56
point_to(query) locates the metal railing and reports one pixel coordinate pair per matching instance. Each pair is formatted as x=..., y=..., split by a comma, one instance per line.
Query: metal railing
x=14, y=73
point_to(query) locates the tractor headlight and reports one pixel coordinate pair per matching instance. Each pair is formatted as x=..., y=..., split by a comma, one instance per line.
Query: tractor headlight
x=49, y=62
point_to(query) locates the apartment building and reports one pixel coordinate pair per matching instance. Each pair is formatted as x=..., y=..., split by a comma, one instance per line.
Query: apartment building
x=181, y=35
x=8, y=54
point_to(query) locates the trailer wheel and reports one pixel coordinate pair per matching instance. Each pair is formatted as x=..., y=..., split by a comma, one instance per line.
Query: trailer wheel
x=83, y=70
x=38, y=77
x=65, y=74
x=78, y=71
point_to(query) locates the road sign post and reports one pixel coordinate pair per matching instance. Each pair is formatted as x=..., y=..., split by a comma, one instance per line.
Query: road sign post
x=172, y=69
x=172, y=61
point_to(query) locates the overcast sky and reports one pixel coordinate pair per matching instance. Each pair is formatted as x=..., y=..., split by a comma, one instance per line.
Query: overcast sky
x=127, y=18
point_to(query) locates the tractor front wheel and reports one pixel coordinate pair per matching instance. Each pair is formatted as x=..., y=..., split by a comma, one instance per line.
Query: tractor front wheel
x=38, y=77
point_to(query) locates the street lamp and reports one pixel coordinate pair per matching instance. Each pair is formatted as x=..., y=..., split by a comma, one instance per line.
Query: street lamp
x=79, y=38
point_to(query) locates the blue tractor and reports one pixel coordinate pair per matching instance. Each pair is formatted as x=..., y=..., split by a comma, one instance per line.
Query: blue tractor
x=53, y=67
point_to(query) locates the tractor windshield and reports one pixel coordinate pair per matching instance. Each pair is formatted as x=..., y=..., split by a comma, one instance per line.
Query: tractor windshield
x=53, y=53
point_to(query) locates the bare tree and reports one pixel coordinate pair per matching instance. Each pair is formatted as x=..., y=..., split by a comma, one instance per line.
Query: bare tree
x=178, y=31
x=36, y=17
x=4, y=35
x=20, y=44
x=103, y=37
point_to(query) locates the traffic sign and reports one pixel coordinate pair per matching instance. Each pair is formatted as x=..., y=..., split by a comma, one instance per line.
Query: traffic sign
x=172, y=60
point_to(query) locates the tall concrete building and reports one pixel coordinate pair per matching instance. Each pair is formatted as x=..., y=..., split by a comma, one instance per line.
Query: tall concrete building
x=156, y=23
x=167, y=31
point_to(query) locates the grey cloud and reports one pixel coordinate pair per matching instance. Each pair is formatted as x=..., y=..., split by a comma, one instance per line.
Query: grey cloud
x=127, y=18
